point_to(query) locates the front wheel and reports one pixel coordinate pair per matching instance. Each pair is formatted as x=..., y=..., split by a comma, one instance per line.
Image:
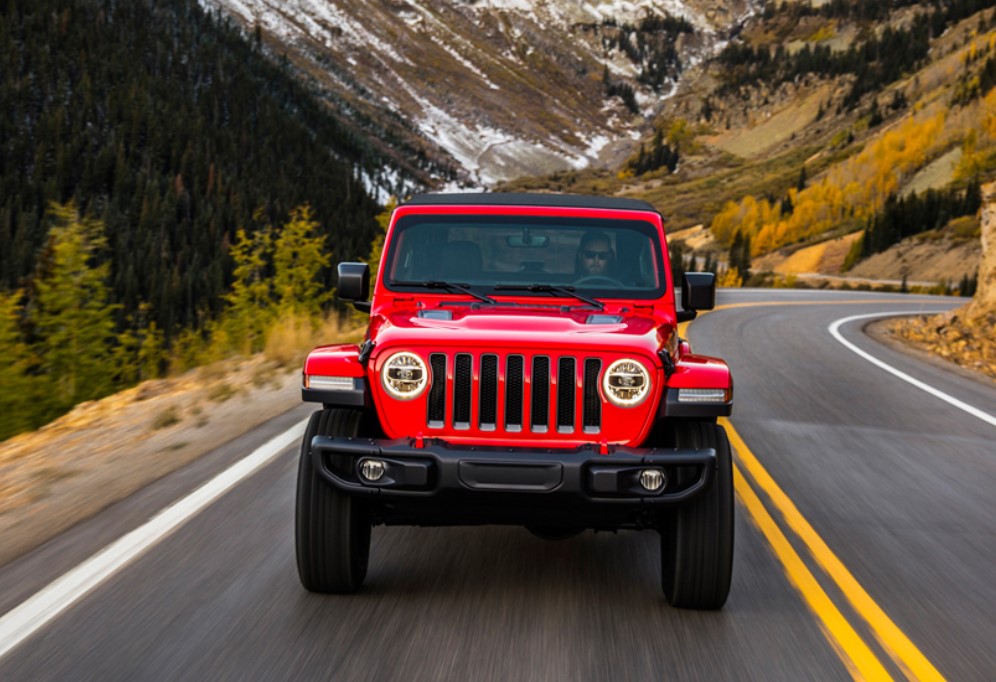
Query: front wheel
x=332, y=530
x=697, y=538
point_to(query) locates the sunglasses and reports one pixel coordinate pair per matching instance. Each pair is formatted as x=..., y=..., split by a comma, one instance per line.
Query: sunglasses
x=600, y=255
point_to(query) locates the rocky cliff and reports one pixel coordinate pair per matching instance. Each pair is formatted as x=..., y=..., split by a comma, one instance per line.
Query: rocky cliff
x=983, y=305
x=966, y=336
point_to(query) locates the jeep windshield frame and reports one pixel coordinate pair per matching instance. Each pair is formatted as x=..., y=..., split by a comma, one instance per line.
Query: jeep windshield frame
x=495, y=254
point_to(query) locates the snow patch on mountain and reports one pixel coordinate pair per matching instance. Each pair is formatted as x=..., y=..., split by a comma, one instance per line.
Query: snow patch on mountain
x=504, y=87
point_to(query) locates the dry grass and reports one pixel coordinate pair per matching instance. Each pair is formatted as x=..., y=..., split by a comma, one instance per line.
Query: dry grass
x=221, y=392
x=825, y=257
x=167, y=418
x=936, y=174
x=772, y=128
x=934, y=260
x=104, y=450
x=291, y=338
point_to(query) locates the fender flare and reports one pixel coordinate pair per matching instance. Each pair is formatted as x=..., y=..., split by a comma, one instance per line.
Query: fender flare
x=341, y=361
x=697, y=371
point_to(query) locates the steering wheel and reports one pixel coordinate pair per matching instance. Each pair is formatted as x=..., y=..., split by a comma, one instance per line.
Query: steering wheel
x=599, y=280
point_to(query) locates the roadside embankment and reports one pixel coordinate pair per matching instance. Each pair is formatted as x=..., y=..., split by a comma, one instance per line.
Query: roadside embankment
x=967, y=335
x=104, y=450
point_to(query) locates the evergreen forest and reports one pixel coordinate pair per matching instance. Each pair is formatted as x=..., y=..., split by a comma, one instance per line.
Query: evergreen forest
x=171, y=128
x=168, y=193
x=874, y=62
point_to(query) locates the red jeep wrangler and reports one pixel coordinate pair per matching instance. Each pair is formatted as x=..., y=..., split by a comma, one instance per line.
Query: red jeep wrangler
x=522, y=366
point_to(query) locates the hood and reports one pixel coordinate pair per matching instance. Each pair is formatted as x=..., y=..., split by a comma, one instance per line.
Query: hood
x=516, y=328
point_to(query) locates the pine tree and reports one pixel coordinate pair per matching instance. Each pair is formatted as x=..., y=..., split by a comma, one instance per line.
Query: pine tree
x=739, y=256
x=743, y=264
x=71, y=314
x=710, y=263
x=15, y=398
x=298, y=259
x=250, y=303
x=736, y=249
x=151, y=353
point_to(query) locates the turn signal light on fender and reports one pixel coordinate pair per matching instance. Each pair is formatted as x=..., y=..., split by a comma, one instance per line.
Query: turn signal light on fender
x=703, y=395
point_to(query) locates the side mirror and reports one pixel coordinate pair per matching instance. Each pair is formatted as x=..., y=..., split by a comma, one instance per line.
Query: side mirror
x=698, y=292
x=354, y=285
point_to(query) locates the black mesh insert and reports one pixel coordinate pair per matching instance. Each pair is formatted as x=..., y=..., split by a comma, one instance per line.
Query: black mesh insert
x=513, y=391
x=565, y=394
x=437, y=394
x=592, y=406
x=541, y=393
x=461, y=390
x=489, y=391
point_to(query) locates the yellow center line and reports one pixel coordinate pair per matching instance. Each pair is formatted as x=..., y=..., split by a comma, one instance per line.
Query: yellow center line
x=906, y=655
x=899, y=647
x=859, y=659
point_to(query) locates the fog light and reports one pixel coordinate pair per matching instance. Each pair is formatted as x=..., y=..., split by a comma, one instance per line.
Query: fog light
x=652, y=479
x=372, y=469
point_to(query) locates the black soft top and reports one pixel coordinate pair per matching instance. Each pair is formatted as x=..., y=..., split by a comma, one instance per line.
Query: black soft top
x=526, y=199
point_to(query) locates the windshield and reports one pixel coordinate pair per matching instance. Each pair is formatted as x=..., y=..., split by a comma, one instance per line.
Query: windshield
x=596, y=257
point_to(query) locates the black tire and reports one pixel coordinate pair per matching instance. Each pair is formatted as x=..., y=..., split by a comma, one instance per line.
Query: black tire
x=697, y=537
x=332, y=530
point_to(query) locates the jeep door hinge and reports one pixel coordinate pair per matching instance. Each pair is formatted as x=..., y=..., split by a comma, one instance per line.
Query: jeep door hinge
x=667, y=361
x=365, y=350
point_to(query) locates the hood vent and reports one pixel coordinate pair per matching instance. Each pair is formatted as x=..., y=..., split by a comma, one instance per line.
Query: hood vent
x=436, y=314
x=603, y=319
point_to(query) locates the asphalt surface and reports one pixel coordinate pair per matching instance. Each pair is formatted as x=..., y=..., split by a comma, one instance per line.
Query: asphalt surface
x=898, y=483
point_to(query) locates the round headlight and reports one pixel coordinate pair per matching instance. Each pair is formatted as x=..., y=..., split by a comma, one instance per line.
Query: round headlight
x=404, y=376
x=626, y=383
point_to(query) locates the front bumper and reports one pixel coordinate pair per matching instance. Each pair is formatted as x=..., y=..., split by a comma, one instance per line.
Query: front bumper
x=483, y=475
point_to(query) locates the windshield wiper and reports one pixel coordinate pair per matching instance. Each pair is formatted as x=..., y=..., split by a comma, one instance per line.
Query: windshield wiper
x=439, y=284
x=550, y=289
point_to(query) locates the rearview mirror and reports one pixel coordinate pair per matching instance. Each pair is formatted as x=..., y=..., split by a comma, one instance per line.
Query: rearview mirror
x=698, y=292
x=526, y=240
x=354, y=285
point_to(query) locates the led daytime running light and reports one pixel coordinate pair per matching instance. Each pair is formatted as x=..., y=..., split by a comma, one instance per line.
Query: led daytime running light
x=404, y=376
x=626, y=383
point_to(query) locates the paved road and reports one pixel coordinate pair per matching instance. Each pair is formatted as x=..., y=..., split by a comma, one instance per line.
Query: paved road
x=897, y=483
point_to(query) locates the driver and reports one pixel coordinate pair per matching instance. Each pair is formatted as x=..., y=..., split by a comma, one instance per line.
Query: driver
x=595, y=257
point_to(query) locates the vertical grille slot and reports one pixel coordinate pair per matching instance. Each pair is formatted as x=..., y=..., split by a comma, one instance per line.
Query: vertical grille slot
x=462, y=377
x=513, y=393
x=591, y=416
x=489, y=393
x=566, y=389
x=541, y=394
x=437, y=394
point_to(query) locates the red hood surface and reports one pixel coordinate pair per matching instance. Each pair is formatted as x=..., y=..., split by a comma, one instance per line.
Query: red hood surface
x=537, y=328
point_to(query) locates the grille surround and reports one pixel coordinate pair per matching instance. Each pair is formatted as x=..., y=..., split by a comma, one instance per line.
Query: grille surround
x=498, y=392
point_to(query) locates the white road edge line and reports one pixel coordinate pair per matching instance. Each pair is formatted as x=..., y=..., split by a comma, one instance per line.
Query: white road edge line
x=24, y=620
x=834, y=330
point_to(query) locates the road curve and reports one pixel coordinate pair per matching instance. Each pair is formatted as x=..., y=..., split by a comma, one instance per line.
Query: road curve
x=896, y=483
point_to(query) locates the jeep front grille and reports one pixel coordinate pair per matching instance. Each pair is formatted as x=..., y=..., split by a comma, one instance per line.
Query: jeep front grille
x=491, y=391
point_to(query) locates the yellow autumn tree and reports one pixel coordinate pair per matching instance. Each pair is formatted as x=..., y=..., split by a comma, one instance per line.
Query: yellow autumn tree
x=851, y=191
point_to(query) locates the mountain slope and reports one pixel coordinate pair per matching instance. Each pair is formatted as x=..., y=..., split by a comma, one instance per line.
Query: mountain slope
x=496, y=89
x=821, y=122
x=175, y=131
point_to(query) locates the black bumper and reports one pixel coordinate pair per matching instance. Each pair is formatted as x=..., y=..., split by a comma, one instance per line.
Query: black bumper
x=495, y=477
